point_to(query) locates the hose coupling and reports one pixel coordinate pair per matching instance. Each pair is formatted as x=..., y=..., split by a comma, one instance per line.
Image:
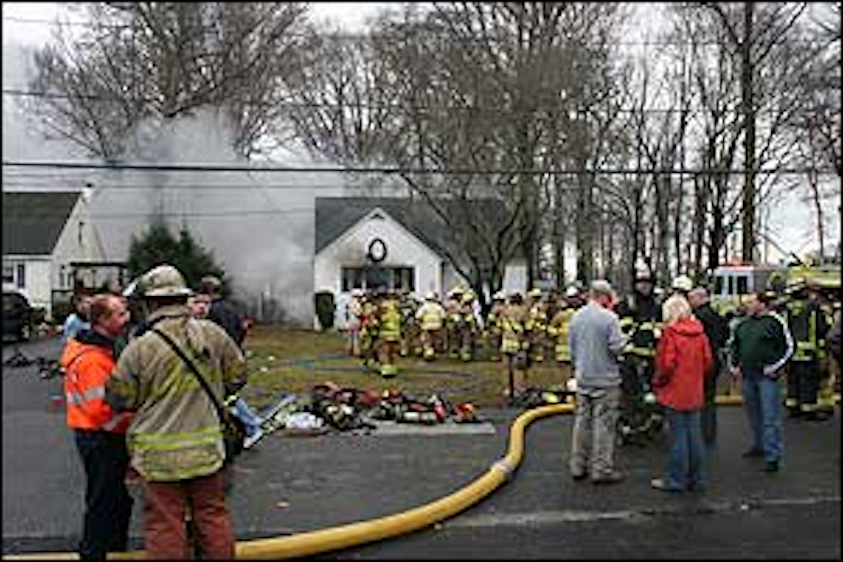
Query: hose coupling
x=504, y=466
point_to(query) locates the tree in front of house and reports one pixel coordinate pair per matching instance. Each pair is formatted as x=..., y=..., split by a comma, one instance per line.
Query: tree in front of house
x=158, y=245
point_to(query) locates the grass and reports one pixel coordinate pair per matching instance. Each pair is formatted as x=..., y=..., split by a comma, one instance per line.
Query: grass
x=283, y=360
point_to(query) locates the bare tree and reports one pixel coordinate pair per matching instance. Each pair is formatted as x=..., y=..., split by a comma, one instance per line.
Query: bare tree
x=158, y=60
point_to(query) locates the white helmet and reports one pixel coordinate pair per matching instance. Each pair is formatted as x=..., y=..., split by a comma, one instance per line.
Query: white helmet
x=431, y=296
x=683, y=283
x=572, y=291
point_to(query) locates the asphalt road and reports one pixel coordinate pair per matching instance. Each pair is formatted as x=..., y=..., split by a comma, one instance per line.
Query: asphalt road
x=289, y=485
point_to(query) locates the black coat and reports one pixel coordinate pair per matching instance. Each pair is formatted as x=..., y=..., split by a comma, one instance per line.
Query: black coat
x=223, y=313
x=716, y=327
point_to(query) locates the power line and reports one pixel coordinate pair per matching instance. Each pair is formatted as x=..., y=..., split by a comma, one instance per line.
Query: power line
x=171, y=187
x=378, y=107
x=177, y=214
x=357, y=36
x=396, y=170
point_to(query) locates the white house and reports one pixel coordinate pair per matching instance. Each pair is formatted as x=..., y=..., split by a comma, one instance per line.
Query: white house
x=363, y=242
x=44, y=232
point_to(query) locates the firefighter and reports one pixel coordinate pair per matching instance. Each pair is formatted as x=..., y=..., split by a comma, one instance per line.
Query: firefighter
x=410, y=342
x=369, y=324
x=492, y=332
x=453, y=322
x=558, y=327
x=389, y=333
x=469, y=327
x=640, y=320
x=808, y=325
x=515, y=344
x=431, y=319
x=537, y=326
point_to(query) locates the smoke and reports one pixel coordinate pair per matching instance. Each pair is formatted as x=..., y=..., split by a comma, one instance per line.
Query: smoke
x=259, y=225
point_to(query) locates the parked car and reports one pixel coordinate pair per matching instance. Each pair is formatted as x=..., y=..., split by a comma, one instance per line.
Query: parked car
x=17, y=316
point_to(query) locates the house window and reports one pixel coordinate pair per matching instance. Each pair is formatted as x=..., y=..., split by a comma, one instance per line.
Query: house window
x=21, y=275
x=352, y=278
x=404, y=279
x=8, y=272
x=394, y=278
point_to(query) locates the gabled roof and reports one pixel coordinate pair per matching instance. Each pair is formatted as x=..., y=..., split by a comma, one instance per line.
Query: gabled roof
x=33, y=220
x=335, y=215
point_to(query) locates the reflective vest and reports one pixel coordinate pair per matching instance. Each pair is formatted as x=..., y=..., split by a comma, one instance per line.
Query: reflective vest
x=390, y=321
x=643, y=328
x=87, y=367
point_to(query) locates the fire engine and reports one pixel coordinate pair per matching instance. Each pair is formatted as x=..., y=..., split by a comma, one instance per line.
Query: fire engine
x=732, y=281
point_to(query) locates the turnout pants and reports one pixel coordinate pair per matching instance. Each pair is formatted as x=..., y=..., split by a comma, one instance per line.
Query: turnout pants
x=166, y=507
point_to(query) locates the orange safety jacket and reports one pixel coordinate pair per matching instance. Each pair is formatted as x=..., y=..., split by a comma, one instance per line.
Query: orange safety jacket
x=87, y=365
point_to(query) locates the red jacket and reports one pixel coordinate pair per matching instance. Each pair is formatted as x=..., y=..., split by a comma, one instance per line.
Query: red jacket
x=683, y=360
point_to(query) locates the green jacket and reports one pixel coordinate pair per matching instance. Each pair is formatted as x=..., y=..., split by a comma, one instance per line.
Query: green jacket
x=761, y=343
x=175, y=434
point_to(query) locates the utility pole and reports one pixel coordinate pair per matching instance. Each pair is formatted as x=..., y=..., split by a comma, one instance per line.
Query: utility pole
x=748, y=219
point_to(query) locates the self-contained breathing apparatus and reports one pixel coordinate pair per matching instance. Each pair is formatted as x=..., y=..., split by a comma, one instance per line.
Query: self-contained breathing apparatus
x=641, y=417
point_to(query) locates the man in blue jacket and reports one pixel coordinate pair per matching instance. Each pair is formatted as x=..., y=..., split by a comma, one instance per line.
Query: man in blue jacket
x=761, y=347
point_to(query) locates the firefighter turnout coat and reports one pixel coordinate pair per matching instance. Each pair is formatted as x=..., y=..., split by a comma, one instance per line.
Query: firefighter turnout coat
x=176, y=433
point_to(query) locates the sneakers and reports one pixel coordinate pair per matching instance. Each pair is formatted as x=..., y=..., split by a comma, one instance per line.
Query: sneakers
x=610, y=478
x=253, y=438
x=752, y=452
x=662, y=485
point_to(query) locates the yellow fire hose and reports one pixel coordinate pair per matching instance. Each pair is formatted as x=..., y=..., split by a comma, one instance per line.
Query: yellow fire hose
x=353, y=534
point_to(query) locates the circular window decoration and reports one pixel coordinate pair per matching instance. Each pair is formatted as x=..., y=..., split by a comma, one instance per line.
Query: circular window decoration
x=377, y=250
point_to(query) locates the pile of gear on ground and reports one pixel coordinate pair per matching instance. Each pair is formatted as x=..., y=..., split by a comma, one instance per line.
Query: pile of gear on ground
x=329, y=407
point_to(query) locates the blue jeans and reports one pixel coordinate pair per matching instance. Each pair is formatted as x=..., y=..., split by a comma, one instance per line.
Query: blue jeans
x=686, y=459
x=247, y=416
x=762, y=402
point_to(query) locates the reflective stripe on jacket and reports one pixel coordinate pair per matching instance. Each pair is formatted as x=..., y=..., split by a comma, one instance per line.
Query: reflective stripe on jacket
x=87, y=366
x=176, y=433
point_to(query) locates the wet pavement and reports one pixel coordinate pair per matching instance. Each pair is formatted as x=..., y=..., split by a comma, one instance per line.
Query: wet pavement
x=289, y=485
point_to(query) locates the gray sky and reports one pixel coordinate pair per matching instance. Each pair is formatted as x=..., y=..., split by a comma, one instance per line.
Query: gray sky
x=790, y=222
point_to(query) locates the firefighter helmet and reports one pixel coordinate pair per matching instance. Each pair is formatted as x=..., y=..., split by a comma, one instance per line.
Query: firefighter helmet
x=164, y=281
x=683, y=283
